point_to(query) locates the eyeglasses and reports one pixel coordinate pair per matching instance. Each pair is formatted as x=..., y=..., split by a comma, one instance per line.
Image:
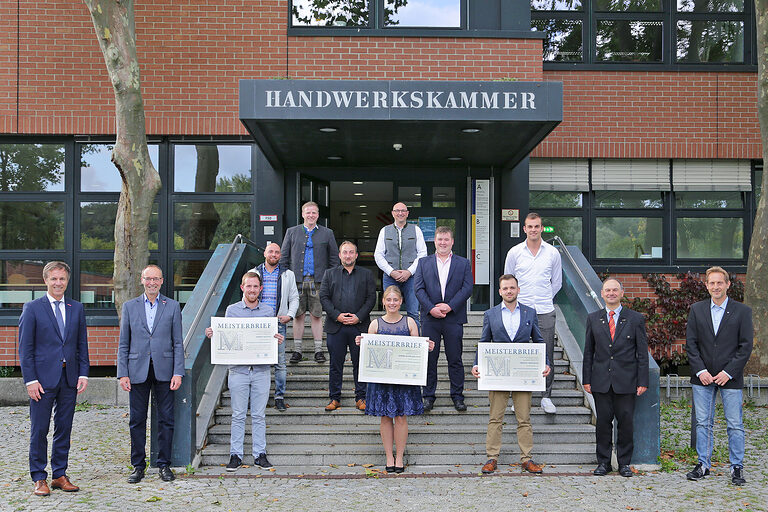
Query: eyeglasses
x=152, y=279
x=399, y=211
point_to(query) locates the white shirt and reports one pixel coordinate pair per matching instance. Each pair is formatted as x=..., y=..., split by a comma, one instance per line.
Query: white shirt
x=511, y=320
x=539, y=277
x=616, y=313
x=442, y=271
x=380, y=251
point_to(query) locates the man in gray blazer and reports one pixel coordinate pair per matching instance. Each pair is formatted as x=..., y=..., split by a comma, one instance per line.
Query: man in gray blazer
x=309, y=250
x=150, y=356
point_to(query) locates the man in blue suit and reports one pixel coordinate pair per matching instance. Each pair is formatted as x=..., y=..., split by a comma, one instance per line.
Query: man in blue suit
x=53, y=351
x=443, y=283
x=150, y=356
x=510, y=322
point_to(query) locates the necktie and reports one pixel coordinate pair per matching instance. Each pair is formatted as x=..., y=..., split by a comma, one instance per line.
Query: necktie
x=611, y=323
x=59, y=318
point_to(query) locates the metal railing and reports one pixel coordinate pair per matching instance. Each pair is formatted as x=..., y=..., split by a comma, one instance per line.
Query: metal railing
x=581, y=275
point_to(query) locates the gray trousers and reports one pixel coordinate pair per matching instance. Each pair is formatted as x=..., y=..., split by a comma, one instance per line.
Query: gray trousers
x=547, y=327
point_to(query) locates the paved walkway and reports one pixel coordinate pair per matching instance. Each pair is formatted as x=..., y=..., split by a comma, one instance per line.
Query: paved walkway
x=99, y=463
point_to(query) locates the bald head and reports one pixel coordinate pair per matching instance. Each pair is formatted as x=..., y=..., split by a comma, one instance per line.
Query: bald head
x=612, y=292
x=400, y=214
x=272, y=256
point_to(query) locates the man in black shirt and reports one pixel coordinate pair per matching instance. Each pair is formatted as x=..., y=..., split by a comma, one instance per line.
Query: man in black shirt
x=347, y=294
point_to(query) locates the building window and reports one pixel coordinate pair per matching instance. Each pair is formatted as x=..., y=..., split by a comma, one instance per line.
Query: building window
x=97, y=289
x=186, y=273
x=202, y=226
x=629, y=238
x=32, y=167
x=710, y=237
x=32, y=225
x=626, y=199
x=702, y=32
x=206, y=168
x=97, y=171
x=539, y=199
x=97, y=226
x=569, y=229
x=20, y=281
x=378, y=14
x=333, y=13
x=422, y=13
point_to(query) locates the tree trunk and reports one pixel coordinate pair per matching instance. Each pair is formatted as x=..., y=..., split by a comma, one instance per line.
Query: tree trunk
x=116, y=31
x=756, y=284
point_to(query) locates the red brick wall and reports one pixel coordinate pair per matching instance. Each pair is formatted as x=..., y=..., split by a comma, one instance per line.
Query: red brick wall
x=193, y=53
x=619, y=114
x=102, y=346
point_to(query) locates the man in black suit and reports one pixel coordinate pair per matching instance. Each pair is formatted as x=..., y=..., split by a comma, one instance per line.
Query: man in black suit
x=443, y=283
x=615, y=371
x=53, y=352
x=347, y=294
x=718, y=339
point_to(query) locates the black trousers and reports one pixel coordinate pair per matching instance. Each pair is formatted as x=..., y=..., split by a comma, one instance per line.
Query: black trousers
x=622, y=407
x=451, y=334
x=138, y=400
x=338, y=343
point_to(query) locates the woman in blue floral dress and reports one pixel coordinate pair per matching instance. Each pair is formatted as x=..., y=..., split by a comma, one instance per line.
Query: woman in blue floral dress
x=394, y=402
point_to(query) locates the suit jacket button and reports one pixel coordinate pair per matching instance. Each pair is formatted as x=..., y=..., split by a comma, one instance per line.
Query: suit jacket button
x=611, y=357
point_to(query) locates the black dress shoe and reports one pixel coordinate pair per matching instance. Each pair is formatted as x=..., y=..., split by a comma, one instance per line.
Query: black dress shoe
x=602, y=469
x=399, y=469
x=625, y=471
x=136, y=476
x=166, y=475
x=280, y=404
x=697, y=473
x=295, y=358
x=459, y=404
x=389, y=469
x=428, y=404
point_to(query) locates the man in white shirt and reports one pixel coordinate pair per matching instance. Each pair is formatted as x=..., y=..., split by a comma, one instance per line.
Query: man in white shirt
x=398, y=250
x=538, y=268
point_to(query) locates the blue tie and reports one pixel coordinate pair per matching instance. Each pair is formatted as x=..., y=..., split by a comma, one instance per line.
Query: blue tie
x=59, y=318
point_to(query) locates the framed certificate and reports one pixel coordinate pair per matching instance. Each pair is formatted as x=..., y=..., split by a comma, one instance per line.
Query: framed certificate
x=511, y=366
x=244, y=340
x=388, y=359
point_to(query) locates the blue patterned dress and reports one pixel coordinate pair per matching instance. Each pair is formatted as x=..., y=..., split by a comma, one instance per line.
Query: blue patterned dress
x=393, y=399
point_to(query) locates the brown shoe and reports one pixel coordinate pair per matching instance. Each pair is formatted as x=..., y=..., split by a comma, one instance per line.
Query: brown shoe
x=333, y=405
x=532, y=467
x=360, y=404
x=64, y=484
x=41, y=488
x=490, y=466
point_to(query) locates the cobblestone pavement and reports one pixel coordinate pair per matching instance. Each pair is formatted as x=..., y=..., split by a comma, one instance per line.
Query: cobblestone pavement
x=99, y=463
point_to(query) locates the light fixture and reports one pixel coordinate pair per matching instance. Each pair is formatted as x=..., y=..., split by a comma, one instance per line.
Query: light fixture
x=363, y=213
x=397, y=146
x=363, y=206
x=334, y=158
x=470, y=130
x=358, y=193
x=454, y=158
x=357, y=182
x=417, y=194
x=328, y=129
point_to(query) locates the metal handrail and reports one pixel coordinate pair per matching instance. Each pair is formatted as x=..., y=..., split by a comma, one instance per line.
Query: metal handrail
x=583, y=278
x=204, y=304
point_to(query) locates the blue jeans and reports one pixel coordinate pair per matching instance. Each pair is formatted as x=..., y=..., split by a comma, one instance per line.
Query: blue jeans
x=704, y=401
x=409, y=296
x=280, y=371
x=248, y=382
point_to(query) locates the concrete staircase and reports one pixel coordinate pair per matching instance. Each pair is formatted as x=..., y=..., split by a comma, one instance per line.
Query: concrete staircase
x=306, y=435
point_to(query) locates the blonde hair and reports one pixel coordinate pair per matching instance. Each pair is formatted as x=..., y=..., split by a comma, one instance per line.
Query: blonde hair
x=715, y=270
x=392, y=289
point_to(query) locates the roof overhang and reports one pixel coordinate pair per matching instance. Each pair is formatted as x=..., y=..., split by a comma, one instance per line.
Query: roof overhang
x=348, y=123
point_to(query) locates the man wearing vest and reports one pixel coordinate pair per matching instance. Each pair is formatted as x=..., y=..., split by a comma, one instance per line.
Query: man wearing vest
x=398, y=249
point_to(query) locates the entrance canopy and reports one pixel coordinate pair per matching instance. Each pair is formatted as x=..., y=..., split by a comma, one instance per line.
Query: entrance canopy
x=347, y=123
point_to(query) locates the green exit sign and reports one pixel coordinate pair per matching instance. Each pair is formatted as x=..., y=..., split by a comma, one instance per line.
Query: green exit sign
x=549, y=229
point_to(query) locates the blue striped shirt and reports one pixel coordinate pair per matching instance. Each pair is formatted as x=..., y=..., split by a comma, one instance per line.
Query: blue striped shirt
x=269, y=290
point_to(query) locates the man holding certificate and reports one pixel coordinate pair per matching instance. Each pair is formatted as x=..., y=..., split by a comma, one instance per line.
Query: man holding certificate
x=510, y=322
x=249, y=381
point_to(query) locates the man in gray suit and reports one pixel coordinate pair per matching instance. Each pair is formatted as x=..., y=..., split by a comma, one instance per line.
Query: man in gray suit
x=150, y=356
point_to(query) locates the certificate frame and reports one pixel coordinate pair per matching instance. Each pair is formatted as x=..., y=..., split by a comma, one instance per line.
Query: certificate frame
x=391, y=359
x=244, y=341
x=511, y=366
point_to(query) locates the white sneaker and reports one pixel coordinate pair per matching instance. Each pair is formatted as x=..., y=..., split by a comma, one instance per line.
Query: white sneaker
x=548, y=406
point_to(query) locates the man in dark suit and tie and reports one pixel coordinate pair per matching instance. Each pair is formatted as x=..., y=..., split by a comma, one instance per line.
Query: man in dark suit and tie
x=615, y=371
x=443, y=283
x=53, y=352
x=150, y=356
x=510, y=322
x=719, y=340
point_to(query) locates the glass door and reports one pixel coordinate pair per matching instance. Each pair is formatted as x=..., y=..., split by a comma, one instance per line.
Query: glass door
x=319, y=191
